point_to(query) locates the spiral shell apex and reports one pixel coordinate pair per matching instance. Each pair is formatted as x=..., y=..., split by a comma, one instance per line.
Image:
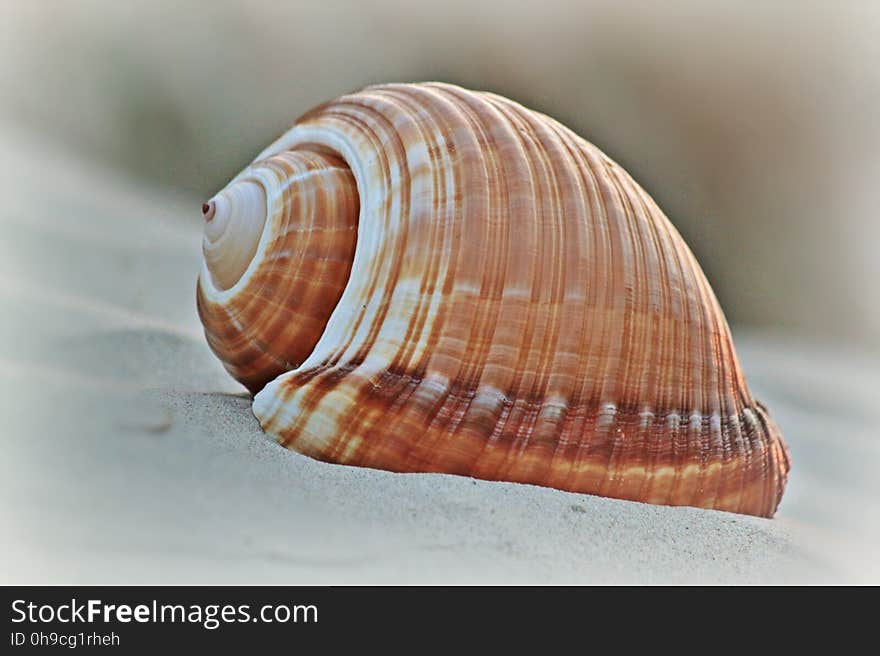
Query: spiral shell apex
x=421, y=278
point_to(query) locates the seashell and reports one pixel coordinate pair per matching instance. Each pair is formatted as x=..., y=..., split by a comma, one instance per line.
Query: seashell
x=421, y=278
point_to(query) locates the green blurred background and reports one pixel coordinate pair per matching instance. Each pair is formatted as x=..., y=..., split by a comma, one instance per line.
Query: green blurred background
x=754, y=125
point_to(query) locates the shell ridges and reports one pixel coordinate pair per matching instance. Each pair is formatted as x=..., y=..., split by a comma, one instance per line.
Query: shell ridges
x=515, y=307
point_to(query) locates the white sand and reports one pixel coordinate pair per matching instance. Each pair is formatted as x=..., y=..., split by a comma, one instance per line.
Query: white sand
x=130, y=456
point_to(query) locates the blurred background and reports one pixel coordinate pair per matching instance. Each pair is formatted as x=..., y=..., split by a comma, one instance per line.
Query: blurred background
x=131, y=456
x=752, y=124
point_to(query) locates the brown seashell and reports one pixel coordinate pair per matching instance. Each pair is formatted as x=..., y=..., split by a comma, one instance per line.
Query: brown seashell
x=515, y=308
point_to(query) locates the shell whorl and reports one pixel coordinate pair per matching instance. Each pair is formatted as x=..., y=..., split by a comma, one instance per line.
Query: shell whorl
x=234, y=221
x=273, y=311
x=515, y=308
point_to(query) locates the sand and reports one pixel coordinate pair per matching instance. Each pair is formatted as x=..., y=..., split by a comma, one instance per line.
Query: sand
x=131, y=457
